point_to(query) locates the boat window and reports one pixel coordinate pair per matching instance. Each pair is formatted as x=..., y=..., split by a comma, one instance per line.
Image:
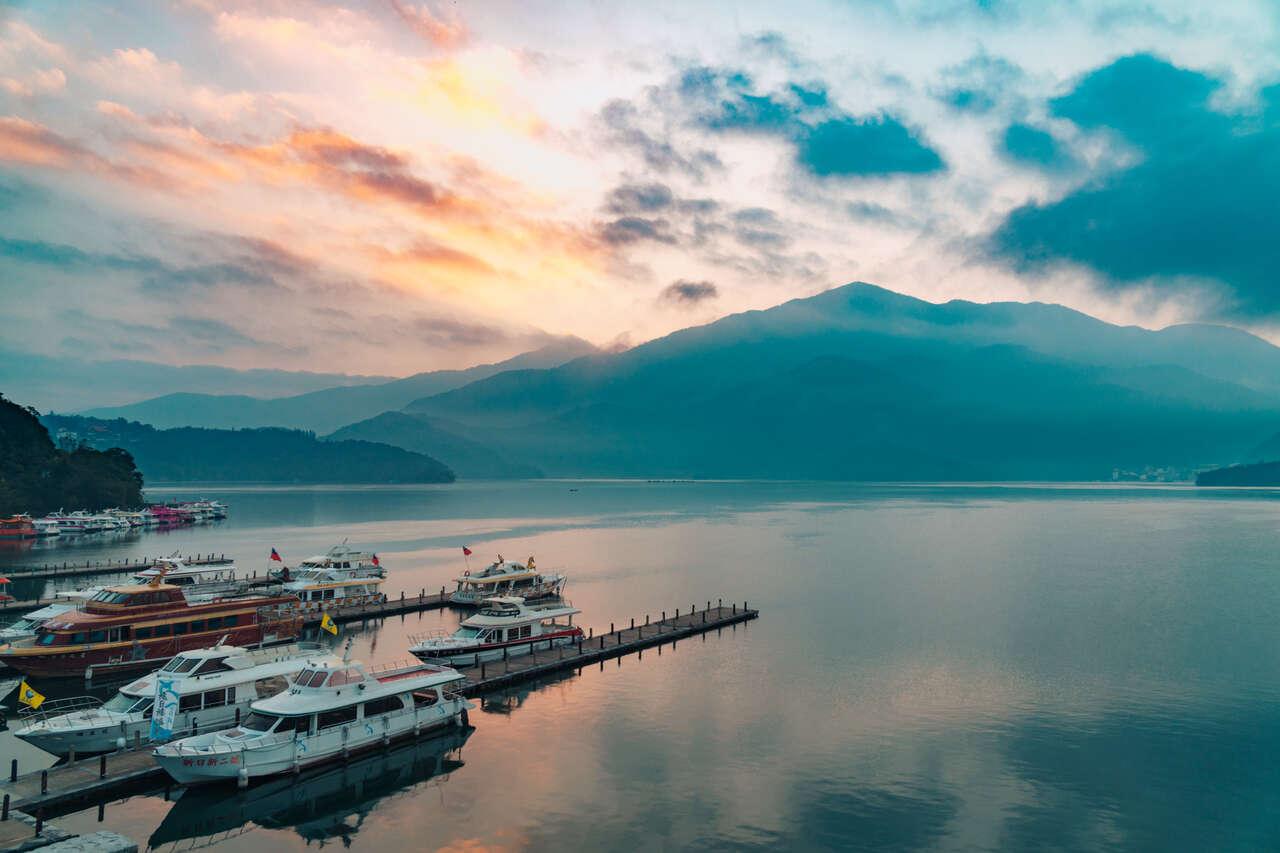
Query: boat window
x=215, y=623
x=189, y=703
x=119, y=702
x=424, y=698
x=317, y=678
x=258, y=722
x=181, y=664
x=179, y=628
x=385, y=705
x=526, y=630
x=269, y=686
x=97, y=636
x=215, y=698
x=229, y=621
x=301, y=725
x=468, y=633
x=143, y=705
x=47, y=638
x=142, y=634
x=328, y=594
x=213, y=665
x=346, y=565
x=197, y=626
x=162, y=630
x=182, y=580
x=78, y=637
x=337, y=717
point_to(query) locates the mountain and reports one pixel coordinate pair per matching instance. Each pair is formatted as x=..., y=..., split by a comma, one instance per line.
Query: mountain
x=863, y=383
x=1258, y=474
x=470, y=460
x=68, y=384
x=328, y=409
x=37, y=477
x=250, y=455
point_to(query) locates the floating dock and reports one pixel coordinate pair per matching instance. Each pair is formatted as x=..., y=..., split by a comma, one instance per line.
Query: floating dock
x=105, y=776
x=104, y=567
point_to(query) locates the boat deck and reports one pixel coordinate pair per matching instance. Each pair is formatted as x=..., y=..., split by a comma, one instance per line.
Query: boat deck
x=100, y=778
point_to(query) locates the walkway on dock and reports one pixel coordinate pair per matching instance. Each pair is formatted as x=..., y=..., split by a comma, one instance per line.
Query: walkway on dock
x=104, y=567
x=105, y=776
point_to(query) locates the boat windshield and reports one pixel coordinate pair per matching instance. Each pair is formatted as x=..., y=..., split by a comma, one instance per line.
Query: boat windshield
x=122, y=703
x=180, y=664
x=468, y=633
x=109, y=597
x=259, y=722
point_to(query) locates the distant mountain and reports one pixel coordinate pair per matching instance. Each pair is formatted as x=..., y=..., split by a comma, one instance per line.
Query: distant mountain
x=250, y=455
x=863, y=383
x=37, y=477
x=67, y=384
x=325, y=410
x=1258, y=474
x=1266, y=451
x=469, y=459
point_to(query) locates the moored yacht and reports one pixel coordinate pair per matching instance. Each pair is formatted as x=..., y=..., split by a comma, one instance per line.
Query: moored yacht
x=503, y=577
x=339, y=559
x=17, y=527
x=46, y=527
x=331, y=710
x=199, y=583
x=25, y=626
x=212, y=687
x=504, y=626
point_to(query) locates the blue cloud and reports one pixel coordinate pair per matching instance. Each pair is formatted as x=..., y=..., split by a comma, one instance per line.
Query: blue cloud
x=879, y=145
x=828, y=141
x=1199, y=205
x=1036, y=147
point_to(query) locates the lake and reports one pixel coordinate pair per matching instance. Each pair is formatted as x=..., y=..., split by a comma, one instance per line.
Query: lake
x=934, y=667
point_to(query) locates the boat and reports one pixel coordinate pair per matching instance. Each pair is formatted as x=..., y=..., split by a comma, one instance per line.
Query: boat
x=341, y=559
x=504, y=626
x=5, y=597
x=329, y=712
x=25, y=626
x=17, y=527
x=199, y=583
x=138, y=628
x=324, y=589
x=67, y=524
x=47, y=527
x=504, y=577
x=323, y=804
x=213, y=688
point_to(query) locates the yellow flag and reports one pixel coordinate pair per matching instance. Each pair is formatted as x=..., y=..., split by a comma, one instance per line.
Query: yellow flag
x=29, y=697
x=327, y=624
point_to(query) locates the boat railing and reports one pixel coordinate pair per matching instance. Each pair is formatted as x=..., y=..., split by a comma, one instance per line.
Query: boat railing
x=57, y=707
x=403, y=665
x=427, y=636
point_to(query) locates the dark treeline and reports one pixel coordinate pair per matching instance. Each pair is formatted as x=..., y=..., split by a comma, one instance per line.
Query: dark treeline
x=37, y=477
x=252, y=455
x=1259, y=474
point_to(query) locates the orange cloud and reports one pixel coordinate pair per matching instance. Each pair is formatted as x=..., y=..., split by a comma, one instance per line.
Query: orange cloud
x=446, y=34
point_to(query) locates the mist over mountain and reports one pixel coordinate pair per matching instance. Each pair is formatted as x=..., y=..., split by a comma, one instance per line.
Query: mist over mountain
x=437, y=437
x=862, y=383
x=329, y=408
x=69, y=384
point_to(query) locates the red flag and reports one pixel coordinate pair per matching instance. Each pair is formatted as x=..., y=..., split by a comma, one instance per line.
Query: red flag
x=466, y=551
x=276, y=556
x=376, y=561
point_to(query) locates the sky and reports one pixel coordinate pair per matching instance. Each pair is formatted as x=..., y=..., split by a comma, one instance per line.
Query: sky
x=392, y=186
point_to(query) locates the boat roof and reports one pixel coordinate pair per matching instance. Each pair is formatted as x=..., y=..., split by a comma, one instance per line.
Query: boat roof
x=349, y=683
x=243, y=664
x=517, y=613
x=501, y=577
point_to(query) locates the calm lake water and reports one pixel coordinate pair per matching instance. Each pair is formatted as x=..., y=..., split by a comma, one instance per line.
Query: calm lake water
x=934, y=667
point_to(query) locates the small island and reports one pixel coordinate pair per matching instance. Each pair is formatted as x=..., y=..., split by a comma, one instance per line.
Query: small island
x=1256, y=474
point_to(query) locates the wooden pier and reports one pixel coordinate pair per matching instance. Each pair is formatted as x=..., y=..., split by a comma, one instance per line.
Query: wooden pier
x=106, y=776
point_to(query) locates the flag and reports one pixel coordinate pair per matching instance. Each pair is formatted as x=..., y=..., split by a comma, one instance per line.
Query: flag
x=29, y=697
x=376, y=561
x=466, y=552
x=275, y=555
x=327, y=624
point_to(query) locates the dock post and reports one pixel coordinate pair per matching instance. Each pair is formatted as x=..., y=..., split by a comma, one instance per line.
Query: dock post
x=71, y=755
x=744, y=607
x=44, y=782
x=646, y=619
x=591, y=632
x=602, y=641
x=610, y=627
x=402, y=596
x=482, y=670
x=39, y=820
x=237, y=716
x=15, y=763
x=102, y=766
x=4, y=812
x=719, y=603
x=633, y=623
x=677, y=616
x=735, y=608
x=102, y=812
x=137, y=733
x=664, y=616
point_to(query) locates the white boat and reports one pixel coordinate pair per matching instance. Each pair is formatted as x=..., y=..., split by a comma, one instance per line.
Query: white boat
x=198, y=583
x=503, y=577
x=331, y=710
x=213, y=688
x=504, y=626
x=340, y=559
x=324, y=589
x=47, y=527
x=68, y=525
x=25, y=626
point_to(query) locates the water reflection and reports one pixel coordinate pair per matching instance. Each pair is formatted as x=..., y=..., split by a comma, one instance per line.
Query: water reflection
x=319, y=805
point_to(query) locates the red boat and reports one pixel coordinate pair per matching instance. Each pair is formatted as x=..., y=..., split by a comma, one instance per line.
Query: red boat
x=17, y=527
x=5, y=597
x=133, y=628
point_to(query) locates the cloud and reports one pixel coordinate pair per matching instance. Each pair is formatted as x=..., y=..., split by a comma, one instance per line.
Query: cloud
x=1197, y=206
x=639, y=198
x=1033, y=146
x=880, y=145
x=685, y=292
x=624, y=127
x=979, y=84
x=635, y=229
x=445, y=32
